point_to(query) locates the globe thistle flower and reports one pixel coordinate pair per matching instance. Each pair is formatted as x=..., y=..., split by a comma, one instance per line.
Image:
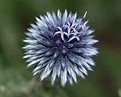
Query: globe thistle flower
x=60, y=45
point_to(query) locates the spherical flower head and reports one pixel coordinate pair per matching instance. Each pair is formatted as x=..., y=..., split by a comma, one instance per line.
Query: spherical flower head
x=60, y=45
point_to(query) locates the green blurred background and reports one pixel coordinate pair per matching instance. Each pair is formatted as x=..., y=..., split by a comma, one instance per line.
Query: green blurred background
x=17, y=81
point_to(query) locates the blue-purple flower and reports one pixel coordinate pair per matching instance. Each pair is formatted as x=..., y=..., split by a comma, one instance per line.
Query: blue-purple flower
x=60, y=45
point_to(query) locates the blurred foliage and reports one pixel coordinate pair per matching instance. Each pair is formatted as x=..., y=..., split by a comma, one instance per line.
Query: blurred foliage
x=17, y=81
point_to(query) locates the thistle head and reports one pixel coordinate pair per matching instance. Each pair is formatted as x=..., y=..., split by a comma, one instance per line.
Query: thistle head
x=60, y=45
